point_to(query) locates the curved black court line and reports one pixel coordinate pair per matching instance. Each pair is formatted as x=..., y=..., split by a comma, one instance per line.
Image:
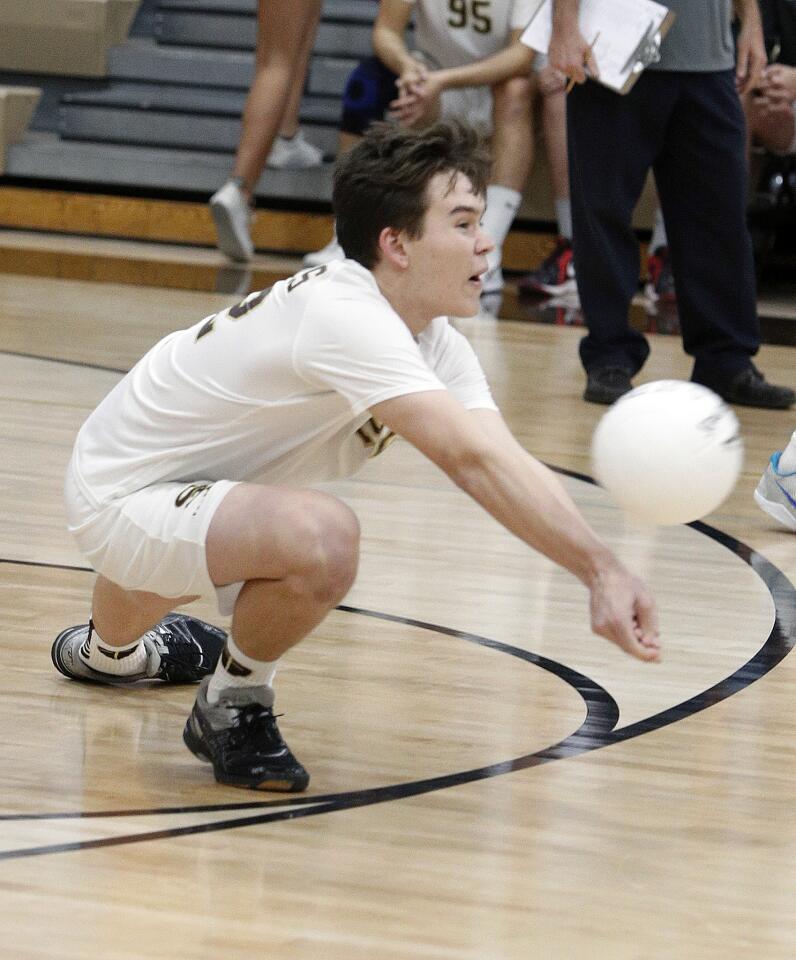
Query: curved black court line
x=602, y=714
x=597, y=730
x=69, y=363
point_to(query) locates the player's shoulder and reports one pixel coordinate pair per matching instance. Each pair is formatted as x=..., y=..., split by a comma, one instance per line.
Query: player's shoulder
x=340, y=279
x=342, y=295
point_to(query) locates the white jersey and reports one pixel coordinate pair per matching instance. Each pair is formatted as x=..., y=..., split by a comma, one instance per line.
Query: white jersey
x=273, y=390
x=453, y=34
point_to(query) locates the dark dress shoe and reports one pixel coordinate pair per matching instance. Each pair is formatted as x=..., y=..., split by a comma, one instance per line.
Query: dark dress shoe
x=749, y=388
x=606, y=384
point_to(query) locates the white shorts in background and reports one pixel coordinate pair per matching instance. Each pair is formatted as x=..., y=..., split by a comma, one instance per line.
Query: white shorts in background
x=472, y=104
x=154, y=539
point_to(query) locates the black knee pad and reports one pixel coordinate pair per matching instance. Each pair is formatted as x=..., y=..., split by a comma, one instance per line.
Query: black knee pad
x=368, y=92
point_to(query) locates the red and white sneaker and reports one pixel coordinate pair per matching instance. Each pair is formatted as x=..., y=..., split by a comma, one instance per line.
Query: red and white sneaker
x=660, y=280
x=555, y=276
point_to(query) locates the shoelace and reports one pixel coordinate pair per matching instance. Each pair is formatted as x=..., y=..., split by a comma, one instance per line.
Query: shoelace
x=257, y=723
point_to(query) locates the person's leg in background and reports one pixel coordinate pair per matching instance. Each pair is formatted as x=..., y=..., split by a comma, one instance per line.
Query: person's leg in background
x=702, y=180
x=290, y=149
x=556, y=274
x=612, y=141
x=284, y=41
x=512, y=157
x=659, y=284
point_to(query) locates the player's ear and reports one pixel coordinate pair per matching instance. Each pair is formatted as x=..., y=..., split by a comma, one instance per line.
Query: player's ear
x=392, y=247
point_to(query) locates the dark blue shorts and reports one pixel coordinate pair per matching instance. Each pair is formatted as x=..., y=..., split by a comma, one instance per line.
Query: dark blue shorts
x=368, y=93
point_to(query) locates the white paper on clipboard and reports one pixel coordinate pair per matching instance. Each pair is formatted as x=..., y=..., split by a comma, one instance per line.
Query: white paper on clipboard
x=628, y=32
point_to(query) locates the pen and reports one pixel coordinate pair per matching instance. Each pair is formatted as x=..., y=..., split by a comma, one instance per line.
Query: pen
x=589, y=49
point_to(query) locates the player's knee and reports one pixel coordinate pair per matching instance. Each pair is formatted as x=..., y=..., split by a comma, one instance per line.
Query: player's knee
x=551, y=82
x=331, y=549
x=512, y=99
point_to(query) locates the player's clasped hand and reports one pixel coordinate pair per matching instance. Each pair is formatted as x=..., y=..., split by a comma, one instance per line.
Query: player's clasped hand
x=775, y=92
x=623, y=611
x=419, y=103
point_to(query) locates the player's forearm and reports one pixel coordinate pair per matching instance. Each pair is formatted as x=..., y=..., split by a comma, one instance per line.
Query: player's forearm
x=390, y=48
x=514, y=61
x=747, y=11
x=565, y=15
x=527, y=498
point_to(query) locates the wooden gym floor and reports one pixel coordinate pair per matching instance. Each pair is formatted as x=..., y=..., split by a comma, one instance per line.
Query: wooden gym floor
x=489, y=781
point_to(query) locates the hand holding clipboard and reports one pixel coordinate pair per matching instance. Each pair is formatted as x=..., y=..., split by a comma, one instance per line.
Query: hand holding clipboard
x=589, y=63
x=626, y=38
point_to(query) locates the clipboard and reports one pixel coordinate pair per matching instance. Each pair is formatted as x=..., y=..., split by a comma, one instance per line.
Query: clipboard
x=628, y=35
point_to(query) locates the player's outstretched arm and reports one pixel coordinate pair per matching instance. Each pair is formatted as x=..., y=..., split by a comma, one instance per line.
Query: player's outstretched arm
x=480, y=455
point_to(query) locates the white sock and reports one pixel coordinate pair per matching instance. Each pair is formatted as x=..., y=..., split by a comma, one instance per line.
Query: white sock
x=658, y=238
x=502, y=204
x=787, y=460
x=564, y=217
x=236, y=669
x=119, y=661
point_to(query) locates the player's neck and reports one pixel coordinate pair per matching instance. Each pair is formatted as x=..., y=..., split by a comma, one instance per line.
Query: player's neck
x=403, y=299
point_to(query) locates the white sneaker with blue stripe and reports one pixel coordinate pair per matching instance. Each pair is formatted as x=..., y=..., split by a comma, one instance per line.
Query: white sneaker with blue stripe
x=776, y=493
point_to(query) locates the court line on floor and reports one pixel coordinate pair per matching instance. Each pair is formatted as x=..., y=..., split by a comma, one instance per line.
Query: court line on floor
x=597, y=731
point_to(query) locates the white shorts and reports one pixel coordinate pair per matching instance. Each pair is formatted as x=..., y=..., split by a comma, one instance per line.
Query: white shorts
x=472, y=104
x=154, y=539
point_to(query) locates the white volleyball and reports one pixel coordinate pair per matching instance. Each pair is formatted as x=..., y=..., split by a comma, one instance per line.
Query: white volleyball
x=668, y=452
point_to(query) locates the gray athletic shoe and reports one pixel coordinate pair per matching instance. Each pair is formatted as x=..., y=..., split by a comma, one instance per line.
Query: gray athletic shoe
x=776, y=493
x=232, y=215
x=180, y=649
x=239, y=736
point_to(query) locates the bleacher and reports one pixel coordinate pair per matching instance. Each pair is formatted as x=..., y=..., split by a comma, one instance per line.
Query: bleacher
x=144, y=100
x=166, y=114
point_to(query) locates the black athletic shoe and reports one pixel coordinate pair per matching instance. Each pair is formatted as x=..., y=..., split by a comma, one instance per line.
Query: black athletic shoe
x=606, y=384
x=750, y=388
x=239, y=736
x=180, y=649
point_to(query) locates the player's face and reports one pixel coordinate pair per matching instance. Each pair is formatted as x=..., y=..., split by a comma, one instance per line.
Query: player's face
x=448, y=260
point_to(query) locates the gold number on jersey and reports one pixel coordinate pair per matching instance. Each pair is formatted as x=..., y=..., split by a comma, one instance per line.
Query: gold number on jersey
x=234, y=313
x=303, y=277
x=252, y=301
x=470, y=13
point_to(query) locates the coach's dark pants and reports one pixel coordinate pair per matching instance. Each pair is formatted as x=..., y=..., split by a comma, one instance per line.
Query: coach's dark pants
x=689, y=127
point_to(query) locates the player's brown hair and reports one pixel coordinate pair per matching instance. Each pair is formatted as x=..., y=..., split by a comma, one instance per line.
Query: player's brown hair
x=383, y=181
